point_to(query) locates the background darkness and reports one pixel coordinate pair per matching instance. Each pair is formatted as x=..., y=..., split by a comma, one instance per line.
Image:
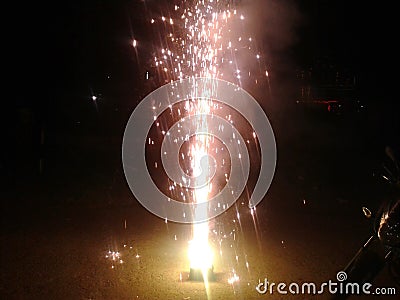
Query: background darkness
x=58, y=220
x=60, y=54
x=70, y=46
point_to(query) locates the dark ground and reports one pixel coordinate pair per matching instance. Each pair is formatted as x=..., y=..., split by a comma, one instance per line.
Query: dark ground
x=57, y=228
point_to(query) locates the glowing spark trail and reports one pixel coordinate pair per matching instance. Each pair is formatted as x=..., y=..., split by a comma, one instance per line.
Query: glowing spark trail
x=204, y=38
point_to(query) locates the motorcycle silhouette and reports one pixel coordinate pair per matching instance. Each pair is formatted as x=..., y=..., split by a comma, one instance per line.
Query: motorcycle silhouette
x=382, y=248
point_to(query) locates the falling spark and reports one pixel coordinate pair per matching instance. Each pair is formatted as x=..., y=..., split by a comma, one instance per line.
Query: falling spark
x=234, y=278
x=202, y=38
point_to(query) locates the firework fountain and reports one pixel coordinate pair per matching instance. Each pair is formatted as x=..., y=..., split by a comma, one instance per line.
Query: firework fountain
x=203, y=39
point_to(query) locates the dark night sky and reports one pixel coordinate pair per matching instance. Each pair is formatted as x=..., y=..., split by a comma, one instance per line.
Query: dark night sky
x=59, y=51
x=357, y=34
x=71, y=44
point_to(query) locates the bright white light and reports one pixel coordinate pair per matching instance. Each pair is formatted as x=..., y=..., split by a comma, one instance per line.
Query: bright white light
x=200, y=254
x=233, y=279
